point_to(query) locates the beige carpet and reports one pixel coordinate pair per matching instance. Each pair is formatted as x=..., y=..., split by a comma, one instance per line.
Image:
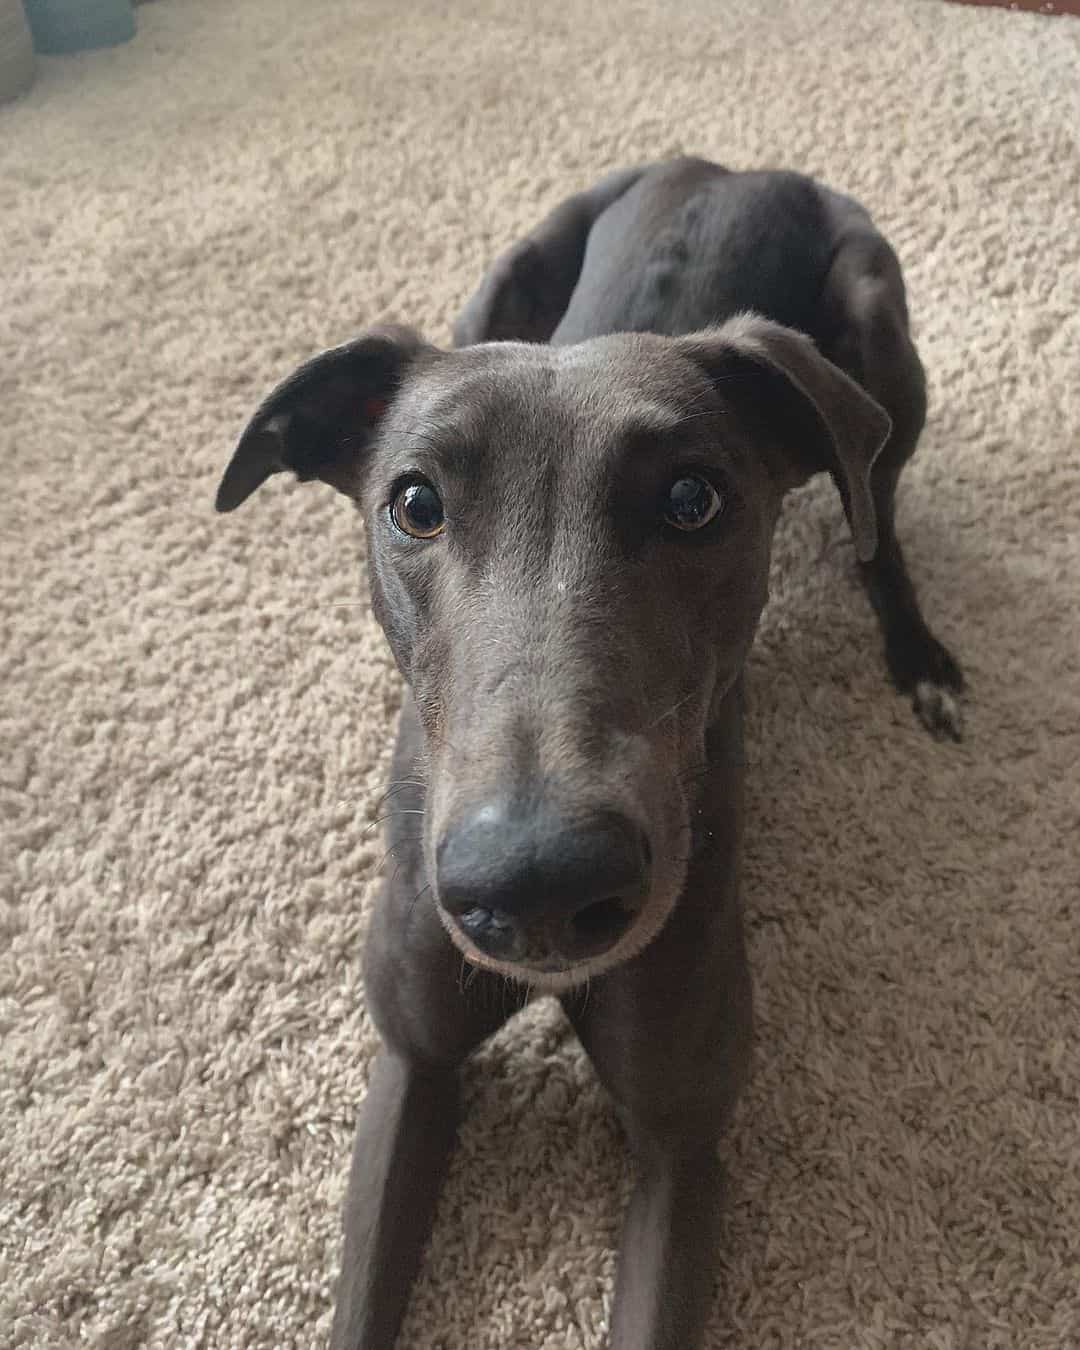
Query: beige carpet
x=195, y=713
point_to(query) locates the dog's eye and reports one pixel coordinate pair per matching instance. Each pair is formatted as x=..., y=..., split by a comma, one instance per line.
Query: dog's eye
x=417, y=510
x=691, y=503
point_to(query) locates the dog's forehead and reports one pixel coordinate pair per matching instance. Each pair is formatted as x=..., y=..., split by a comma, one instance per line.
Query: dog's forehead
x=624, y=382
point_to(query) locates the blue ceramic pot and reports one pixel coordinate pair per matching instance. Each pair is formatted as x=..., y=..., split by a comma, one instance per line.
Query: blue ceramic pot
x=75, y=25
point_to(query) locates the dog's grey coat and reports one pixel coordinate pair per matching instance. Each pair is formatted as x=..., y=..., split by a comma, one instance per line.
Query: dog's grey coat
x=564, y=651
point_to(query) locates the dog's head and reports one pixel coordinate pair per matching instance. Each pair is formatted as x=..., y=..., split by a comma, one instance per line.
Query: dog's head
x=568, y=550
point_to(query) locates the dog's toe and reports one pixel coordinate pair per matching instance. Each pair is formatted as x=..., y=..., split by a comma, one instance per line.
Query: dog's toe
x=939, y=710
x=925, y=670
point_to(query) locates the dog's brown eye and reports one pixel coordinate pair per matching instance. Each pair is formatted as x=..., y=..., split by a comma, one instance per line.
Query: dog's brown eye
x=418, y=510
x=691, y=503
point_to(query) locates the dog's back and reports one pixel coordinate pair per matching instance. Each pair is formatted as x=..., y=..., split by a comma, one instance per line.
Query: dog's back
x=691, y=244
x=680, y=246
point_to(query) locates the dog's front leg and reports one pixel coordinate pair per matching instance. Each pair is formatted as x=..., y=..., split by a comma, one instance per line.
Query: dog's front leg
x=666, y=1262
x=409, y=1118
x=669, y=1034
x=402, y=1149
x=430, y=1017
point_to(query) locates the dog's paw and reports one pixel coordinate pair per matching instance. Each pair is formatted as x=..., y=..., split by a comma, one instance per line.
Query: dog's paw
x=925, y=669
x=939, y=666
x=939, y=710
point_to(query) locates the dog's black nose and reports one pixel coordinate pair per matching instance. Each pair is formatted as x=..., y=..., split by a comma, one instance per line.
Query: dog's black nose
x=533, y=888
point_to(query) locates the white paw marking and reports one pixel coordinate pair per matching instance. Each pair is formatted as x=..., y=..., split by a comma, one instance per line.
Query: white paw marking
x=939, y=710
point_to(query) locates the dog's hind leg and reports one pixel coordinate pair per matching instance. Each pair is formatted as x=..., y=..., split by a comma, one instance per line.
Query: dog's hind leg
x=866, y=316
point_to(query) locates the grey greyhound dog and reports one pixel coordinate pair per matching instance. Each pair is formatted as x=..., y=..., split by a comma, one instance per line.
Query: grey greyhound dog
x=569, y=520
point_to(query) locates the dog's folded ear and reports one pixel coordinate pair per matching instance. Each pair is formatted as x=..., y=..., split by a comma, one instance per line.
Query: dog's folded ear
x=815, y=413
x=318, y=422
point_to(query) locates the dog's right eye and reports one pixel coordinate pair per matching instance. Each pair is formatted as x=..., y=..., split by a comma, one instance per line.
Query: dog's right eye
x=692, y=503
x=417, y=510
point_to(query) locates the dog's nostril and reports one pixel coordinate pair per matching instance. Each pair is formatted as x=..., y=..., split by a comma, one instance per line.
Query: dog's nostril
x=489, y=930
x=598, y=925
x=479, y=920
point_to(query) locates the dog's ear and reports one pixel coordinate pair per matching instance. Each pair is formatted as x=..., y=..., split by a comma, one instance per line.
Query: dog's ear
x=526, y=290
x=318, y=422
x=816, y=414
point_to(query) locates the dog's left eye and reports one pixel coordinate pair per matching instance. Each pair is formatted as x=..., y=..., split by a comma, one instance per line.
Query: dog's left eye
x=691, y=503
x=417, y=510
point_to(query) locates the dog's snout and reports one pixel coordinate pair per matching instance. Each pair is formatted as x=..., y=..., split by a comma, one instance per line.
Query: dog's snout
x=530, y=888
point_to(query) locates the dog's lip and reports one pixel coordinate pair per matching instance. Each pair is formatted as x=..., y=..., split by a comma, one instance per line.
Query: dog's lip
x=548, y=965
x=532, y=971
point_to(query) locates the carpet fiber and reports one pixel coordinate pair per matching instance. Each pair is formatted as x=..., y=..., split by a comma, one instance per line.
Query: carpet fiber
x=196, y=711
